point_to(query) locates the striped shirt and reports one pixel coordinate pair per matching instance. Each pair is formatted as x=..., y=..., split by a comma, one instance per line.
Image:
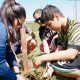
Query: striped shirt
x=71, y=37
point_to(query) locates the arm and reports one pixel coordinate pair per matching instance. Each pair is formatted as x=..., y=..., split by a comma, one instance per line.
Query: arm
x=58, y=55
x=12, y=61
x=42, y=36
x=13, y=64
x=24, y=50
x=46, y=47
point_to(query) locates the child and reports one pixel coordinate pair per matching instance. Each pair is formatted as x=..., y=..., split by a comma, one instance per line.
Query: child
x=12, y=17
x=47, y=36
x=68, y=42
x=30, y=39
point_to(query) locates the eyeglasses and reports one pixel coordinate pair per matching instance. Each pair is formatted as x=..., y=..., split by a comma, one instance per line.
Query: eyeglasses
x=38, y=20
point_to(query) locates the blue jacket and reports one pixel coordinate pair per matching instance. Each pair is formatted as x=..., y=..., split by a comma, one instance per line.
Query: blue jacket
x=5, y=57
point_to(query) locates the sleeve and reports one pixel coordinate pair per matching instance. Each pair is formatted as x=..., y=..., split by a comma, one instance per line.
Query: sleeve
x=28, y=30
x=11, y=59
x=42, y=34
x=74, y=39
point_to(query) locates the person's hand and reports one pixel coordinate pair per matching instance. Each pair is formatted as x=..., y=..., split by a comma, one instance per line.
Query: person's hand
x=19, y=77
x=37, y=62
x=28, y=38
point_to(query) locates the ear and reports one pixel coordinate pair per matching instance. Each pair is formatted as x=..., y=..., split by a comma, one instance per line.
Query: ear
x=56, y=16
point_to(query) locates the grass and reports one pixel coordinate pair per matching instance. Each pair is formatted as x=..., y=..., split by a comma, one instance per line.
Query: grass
x=35, y=74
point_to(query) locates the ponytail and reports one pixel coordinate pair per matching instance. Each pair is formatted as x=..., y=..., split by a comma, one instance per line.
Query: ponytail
x=3, y=9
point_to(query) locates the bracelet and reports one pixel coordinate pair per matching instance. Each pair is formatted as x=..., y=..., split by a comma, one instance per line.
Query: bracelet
x=18, y=73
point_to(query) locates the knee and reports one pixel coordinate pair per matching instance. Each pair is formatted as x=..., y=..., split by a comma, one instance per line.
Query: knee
x=34, y=42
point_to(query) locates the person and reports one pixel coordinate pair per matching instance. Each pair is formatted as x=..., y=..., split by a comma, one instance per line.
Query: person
x=46, y=35
x=68, y=44
x=30, y=39
x=48, y=38
x=12, y=17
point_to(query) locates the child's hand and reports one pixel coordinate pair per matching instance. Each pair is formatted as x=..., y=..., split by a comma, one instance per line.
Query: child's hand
x=28, y=38
x=37, y=62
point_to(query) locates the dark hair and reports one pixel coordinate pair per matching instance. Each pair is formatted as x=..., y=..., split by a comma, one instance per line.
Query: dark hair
x=48, y=13
x=15, y=11
x=4, y=6
x=9, y=11
x=37, y=11
x=38, y=19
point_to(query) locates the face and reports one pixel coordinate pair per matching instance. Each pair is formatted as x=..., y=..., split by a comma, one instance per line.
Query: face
x=18, y=22
x=54, y=24
x=37, y=17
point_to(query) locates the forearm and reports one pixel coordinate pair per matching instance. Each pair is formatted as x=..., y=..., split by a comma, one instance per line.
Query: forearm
x=46, y=47
x=11, y=59
x=12, y=62
x=59, y=55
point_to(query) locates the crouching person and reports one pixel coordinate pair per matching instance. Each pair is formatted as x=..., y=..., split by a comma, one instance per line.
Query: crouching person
x=30, y=41
x=11, y=14
x=66, y=60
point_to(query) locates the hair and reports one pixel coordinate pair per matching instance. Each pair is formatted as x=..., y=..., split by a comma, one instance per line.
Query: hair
x=37, y=11
x=9, y=11
x=48, y=13
x=5, y=5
